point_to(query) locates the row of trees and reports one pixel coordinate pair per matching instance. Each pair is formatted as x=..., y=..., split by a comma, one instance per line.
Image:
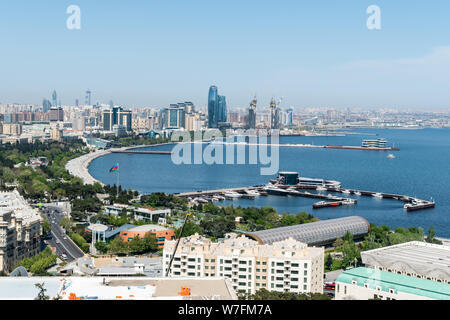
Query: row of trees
x=38, y=264
x=264, y=294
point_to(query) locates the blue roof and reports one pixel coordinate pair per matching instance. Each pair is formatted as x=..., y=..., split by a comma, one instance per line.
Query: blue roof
x=112, y=233
x=397, y=282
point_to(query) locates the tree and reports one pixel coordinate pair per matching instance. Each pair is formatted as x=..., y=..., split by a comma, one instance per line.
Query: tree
x=41, y=295
x=338, y=243
x=118, y=246
x=328, y=261
x=102, y=247
x=431, y=234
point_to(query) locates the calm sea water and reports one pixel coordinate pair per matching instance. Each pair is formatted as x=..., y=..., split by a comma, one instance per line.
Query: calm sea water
x=421, y=168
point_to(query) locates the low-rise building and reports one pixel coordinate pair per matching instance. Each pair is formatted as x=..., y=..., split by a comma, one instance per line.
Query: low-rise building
x=368, y=283
x=150, y=215
x=161, y=233
x=417, y=259
x=284, y=266
x=20, y=230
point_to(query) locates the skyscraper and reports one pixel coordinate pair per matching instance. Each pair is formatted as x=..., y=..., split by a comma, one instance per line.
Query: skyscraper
x=274, y=115
x=217, y=108
x=251, y=117
x=54, y=99
x=212, y=107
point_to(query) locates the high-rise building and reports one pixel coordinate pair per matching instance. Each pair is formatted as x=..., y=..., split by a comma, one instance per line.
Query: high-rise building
x=283, y=266
x=274, y=115
x=46, y=105
x=217, y=108
x=54, y=99
x=251, y=117
x=56, y=114
x=88, y=97
x=173, y=117
x=117, y=116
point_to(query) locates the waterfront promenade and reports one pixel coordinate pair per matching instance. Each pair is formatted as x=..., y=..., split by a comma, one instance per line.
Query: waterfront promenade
x=79, y=167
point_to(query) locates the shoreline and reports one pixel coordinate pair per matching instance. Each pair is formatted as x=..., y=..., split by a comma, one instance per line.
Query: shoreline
x=79, y=167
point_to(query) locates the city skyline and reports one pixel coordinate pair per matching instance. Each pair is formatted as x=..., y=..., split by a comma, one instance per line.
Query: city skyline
x=319, y=54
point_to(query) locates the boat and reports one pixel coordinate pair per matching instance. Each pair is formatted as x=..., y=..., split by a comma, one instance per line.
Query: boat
x=349, y=202
x=232, y=195
x=391, y=156
x=357, y=193
x=219, y=197
x=252, y=192
x=346, y=191
x=377, y=195
x=321, y=188
x=276, y=191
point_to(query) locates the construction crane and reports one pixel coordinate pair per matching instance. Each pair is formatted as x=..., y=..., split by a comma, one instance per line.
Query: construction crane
x=178, y=242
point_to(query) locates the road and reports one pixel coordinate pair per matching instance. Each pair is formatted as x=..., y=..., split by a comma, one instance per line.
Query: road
x=59, y=239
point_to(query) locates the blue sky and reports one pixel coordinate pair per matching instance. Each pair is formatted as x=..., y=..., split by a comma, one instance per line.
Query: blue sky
x=152, y=53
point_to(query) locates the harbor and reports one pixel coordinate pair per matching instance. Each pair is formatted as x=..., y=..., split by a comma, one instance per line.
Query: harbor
x=290, y=184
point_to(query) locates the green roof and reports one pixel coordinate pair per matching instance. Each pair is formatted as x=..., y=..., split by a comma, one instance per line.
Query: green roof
x=388, y=280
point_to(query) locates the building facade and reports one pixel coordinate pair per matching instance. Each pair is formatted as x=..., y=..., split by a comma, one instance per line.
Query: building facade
x=285, y=266
x=161, y=233
x=217, y=108
x=20, y=230
x=367, y=283
x=117, y=116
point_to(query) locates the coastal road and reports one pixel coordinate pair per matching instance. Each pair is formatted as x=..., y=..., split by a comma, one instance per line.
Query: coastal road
x=59, y=239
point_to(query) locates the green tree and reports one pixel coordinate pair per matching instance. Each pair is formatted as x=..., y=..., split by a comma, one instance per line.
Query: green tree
x=118, y=246
x=328, y=261
x=101, y=246
x=431, y=234
x=41, y=295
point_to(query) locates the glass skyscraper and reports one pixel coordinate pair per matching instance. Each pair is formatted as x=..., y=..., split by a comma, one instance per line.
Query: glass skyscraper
x=217, y=108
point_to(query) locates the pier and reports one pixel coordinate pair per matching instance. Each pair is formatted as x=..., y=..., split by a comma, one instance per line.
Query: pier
x=141, y=152
x=328, y=200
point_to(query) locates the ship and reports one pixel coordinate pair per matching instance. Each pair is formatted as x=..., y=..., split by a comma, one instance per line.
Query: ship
x=368, y=144
x=275, y=191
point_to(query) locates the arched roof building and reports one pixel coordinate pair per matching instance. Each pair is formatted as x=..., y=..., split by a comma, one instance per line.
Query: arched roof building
x=315, y=233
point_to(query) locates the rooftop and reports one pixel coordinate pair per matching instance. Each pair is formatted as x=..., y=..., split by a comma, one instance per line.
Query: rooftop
x=148, y=227
x=423, y=258
x=397, y=282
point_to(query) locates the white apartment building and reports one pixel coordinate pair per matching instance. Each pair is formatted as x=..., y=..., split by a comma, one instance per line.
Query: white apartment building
x=285, y=266
x=20, y=230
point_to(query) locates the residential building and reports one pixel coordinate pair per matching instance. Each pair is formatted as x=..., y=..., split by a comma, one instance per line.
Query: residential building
x=20, y=230
x=284, y=266
x=367, y=283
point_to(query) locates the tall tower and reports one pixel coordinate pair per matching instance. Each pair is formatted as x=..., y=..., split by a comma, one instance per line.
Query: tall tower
x=251, y=117
x=274, y=115
x=213, y=106
x=54, y=99
x=88, y=97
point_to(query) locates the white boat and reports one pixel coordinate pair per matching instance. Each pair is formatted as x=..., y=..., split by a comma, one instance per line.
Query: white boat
x=321, y=188
x=252, y=192
x=276, y=191
x=348, y=202
x=219, y=197
x=377, y=195
x=346, y=191
x=357, y=193
x=232, y=195
x=391, y=156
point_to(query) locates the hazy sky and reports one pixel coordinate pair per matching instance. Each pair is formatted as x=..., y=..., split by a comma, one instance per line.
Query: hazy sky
x=152, y=53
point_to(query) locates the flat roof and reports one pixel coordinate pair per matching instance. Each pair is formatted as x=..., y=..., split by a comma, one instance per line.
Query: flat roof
x=117, y=288
x=417, y=257
x=148, y=227
x=397, y=282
